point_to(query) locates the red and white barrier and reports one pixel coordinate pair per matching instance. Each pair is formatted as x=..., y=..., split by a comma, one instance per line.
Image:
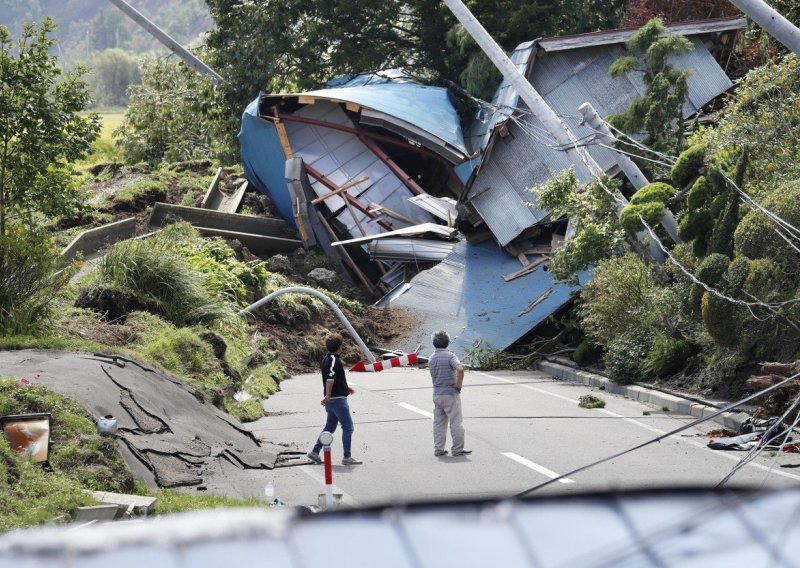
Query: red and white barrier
x=402, y=361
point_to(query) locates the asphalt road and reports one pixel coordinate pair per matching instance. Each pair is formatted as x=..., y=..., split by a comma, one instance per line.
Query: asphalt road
x=523, y=427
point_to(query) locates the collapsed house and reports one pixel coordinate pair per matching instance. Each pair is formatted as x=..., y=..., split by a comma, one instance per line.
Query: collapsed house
x=435, y=213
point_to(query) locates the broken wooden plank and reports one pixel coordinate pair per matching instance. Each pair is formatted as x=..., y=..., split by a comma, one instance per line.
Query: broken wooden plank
x=541, y=249
x=345, y=187
x=556, y=242
x=348, y=260
x=542, y=297
x=375, y=208
x=298, y=217
x=523, y=259
x=303, y=100
x=354, y=107
x=526, y=269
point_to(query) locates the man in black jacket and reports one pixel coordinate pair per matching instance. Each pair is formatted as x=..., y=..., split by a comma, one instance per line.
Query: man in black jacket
x=336, y=391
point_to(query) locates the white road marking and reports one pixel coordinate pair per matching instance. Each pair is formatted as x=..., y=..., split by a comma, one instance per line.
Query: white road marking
x=536, y=467
x=529, y=387
x=317, y=473
x=719, y=453
x=407, y=406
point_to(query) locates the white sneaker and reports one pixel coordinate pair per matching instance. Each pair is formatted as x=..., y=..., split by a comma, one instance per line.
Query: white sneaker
x=351, y=461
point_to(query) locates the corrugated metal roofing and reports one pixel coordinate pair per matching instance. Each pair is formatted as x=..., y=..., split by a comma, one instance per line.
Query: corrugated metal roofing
x=423, y=106
x=566, y=79
x=622, y=35
x=342, y=157
x=409, y=250
x=466, y=295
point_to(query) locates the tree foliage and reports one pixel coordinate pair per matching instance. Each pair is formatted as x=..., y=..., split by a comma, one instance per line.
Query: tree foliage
x=659, y=113
x=593, y=215
x=41, y=128
x=113, y=71
x=174, y=115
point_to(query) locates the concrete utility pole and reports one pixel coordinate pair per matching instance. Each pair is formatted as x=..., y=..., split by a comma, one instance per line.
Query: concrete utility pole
x=629, y=168
x=585, y=165
x=772, y=21
x=164, y=38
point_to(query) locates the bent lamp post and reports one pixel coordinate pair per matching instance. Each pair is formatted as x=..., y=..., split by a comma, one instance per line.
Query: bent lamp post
x=317, y=294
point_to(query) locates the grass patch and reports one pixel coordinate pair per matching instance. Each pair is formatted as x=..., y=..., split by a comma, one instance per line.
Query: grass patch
x=591, y=401
x=30, y=494
x=138, y=194
x=171, y=501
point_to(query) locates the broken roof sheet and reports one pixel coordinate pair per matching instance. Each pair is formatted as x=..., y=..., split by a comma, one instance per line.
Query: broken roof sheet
x=622, y=35
x=422, y=106
x=466, y=295
x=566, y=79
x=414, y=230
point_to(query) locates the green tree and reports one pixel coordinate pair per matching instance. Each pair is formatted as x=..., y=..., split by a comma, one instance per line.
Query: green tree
x=41, y=130
x=659, y=113
x=113, y=71
x=174, y=114
x=109, y=29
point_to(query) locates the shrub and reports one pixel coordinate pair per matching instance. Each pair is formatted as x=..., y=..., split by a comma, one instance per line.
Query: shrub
x=656, y=192
x=585, y=353
x=713, y=268
x=624, y=357
x=162, y=281
x=651, y=212
x=29, y=281
x=700, y=194
x=755, y=237
x=721, y=321
x=695, y=224
x=688, y=165
x=620, y=297
x=667, y=355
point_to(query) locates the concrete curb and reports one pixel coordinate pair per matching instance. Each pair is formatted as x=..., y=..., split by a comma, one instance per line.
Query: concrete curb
x=730, y=420
x=93, y=240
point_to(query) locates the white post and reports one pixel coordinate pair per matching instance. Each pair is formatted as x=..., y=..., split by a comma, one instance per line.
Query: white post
x=582, y=160
x=327, y=439
x=629, y=168
x=771, y=20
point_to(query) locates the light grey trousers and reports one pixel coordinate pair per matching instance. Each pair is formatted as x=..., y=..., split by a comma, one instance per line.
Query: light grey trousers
x=447, y=407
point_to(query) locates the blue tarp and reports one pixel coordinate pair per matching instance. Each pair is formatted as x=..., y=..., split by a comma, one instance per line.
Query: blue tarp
x=263, y=159
x=466, y=295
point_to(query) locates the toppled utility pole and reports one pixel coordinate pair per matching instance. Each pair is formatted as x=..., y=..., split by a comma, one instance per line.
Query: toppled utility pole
x=628, y=167
x=772, y=21
x=168, y=41
x=585, y=165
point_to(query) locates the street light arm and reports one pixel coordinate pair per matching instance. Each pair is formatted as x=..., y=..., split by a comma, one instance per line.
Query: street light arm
x=317, y=294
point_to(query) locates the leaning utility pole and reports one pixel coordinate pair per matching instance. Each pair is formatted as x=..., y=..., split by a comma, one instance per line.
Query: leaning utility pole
x=164, y=38
x=585, y=166
x=772, y=21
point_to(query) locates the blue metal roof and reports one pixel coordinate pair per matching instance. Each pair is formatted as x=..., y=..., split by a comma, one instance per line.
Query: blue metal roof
x=427, y=108
x=466, y=295
x=262, y=159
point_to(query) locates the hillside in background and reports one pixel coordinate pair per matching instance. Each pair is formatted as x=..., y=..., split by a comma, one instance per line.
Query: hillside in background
x=89, y=26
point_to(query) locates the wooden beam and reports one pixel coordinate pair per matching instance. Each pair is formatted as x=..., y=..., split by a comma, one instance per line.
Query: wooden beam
x=526, y=269
x=282, y=136
x=396, y=170
x=353, y=201
x=374, y=207
x=352, y=107
x=348, y=260
x=345, y=187
x=306, y=100
x=542, y=297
